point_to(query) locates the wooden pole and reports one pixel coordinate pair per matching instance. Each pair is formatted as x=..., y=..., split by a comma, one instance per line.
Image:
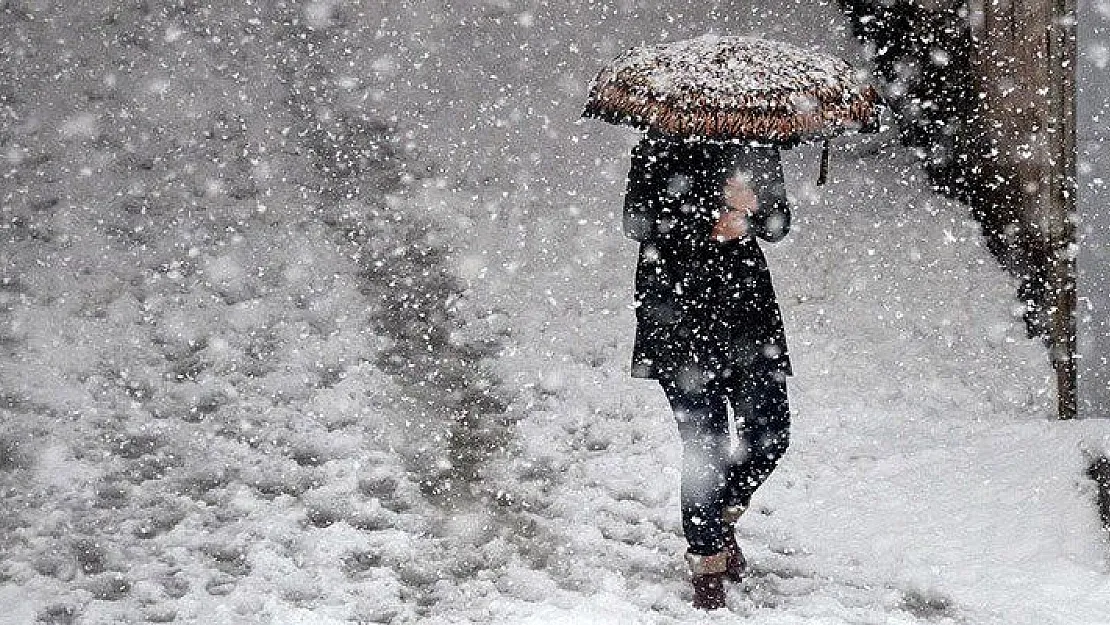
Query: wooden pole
x=1062, y=61
x=1024, y=58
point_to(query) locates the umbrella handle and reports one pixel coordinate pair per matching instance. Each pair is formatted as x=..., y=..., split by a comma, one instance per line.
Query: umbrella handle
x=823, y=175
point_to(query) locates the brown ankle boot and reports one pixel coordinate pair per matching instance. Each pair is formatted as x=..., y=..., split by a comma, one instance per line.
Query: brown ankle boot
x=708, y=578
x=737, y=564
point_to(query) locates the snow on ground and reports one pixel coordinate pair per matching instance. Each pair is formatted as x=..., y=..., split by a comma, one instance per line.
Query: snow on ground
x=266, y=360
x=924, y=483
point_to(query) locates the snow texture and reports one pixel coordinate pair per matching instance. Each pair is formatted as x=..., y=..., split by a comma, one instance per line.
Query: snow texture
x=731, y=69
x=733, y=88
x=319, y=312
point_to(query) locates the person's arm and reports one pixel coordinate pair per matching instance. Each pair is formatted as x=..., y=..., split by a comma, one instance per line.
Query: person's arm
x=754, y=199
x=648, y=191
x=740, y=203
x=771, y=219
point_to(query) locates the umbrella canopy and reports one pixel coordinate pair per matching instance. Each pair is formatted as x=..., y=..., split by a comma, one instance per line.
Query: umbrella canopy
x=733, y=88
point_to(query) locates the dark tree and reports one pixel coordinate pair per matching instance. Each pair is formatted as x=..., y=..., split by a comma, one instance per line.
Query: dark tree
x=986, y=91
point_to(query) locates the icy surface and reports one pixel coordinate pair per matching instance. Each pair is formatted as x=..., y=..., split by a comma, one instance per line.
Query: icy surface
x=270, y=276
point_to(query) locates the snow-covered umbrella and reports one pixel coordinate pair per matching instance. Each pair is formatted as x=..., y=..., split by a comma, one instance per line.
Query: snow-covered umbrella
x=727, y=88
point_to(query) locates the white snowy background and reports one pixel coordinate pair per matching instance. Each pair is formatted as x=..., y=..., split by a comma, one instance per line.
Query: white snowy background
x=319, y=312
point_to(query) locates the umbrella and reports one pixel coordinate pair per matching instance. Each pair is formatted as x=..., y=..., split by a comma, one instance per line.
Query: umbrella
x=722, y=88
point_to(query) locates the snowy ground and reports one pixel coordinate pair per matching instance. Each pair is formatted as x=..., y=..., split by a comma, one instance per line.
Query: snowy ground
x=266, y=360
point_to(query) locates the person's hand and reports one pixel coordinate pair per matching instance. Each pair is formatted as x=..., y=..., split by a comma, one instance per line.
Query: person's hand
x=731, y=225
x=739, y=195
x=741, y=201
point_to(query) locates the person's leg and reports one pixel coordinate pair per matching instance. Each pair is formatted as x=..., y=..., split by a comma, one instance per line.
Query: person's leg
x=702, y=420
x=762, y=415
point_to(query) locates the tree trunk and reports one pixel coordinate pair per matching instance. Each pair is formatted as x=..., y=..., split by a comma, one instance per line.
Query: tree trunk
x=987, y=89
x=1023, y=64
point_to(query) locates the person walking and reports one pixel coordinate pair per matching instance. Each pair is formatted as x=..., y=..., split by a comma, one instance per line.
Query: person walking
x=709, y=329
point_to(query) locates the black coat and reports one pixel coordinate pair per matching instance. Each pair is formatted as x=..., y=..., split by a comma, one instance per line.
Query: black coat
x=704, y=308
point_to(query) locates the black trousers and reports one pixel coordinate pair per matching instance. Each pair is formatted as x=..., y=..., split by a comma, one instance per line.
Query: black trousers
x=713, y=474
